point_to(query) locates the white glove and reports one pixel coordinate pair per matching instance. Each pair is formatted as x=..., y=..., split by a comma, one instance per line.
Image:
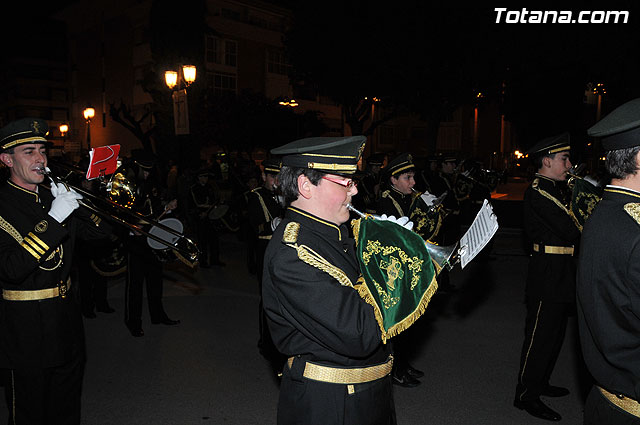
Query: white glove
x=64, y=203
x=274, y=223
x=428, y=198
x=402, y=221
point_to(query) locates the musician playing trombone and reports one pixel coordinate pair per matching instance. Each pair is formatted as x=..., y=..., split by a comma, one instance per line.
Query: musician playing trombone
x=41, y=335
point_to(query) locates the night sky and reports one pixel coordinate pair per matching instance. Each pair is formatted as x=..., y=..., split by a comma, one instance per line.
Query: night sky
x=462, y=49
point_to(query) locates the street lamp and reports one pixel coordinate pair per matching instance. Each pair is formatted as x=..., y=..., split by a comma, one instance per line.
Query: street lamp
x=64, y=128
x=172, y=78
x=178, y=83
x=292, y=103
x=89, y=113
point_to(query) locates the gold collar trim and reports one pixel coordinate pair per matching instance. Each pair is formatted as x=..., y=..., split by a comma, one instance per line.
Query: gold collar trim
x=24, y=190
x=319, y=220
x=622, y=191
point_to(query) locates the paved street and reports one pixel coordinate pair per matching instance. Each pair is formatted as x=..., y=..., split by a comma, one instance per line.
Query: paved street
x=207, y=370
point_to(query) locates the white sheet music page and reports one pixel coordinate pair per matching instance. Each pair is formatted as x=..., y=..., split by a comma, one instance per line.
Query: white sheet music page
x=484, y=226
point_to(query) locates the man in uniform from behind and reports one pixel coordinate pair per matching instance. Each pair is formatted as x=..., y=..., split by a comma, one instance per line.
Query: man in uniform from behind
x=338, y=371
x=608, y=288
x=550, y=288
x=41, y=333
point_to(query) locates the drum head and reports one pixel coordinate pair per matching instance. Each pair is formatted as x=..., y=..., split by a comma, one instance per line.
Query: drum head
x=218, y=211
x=172, y=223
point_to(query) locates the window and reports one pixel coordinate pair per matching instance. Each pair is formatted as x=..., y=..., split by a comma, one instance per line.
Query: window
x=221, y=83
x=220, y=51
x=277, y=63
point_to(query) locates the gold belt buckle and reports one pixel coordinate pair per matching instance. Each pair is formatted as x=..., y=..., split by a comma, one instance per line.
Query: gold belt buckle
x=62, y=288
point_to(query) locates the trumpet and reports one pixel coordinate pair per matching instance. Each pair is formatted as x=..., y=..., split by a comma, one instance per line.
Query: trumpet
x=184, y=247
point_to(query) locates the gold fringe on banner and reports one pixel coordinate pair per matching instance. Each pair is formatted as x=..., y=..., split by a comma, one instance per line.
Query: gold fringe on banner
x=366, y=295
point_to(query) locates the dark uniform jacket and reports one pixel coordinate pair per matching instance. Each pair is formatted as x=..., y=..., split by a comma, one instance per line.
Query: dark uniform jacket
x=262, y=207
x=393, y=202
x=608, y=292
x=36, y=253
x=202, y=198
x=312, y=310
x=551, y=277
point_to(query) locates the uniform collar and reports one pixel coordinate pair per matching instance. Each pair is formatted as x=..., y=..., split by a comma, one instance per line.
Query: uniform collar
x=22, y=192
x=547, y=179
x=615, y=191
x=315, y=223
x=398, y=192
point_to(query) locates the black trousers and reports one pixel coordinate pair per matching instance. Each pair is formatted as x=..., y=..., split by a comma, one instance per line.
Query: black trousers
x=599, y=411
x=545, y=327
x=143, y=266
x=46, y=396
x=306, y=402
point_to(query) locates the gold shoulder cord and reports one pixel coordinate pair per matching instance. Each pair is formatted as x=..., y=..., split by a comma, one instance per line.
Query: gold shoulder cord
x=267, y=216
x=385, y=194
x=7, y=227
x=311, y=257
x=558, y=203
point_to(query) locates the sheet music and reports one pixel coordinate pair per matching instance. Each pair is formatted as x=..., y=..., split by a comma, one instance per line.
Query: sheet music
x=484, y=226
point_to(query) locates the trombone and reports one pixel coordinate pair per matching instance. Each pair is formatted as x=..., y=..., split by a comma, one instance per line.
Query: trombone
x=183, y=247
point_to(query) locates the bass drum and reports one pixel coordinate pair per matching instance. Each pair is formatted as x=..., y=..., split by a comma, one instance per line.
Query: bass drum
x=218, y=211
x=162, y=251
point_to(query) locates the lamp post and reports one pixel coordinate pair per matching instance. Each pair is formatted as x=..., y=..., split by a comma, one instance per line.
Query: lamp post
x=178, y=83
x=64, y=128
x=88, y=113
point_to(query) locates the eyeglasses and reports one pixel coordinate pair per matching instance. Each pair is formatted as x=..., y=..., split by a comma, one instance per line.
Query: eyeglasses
x=344, y=183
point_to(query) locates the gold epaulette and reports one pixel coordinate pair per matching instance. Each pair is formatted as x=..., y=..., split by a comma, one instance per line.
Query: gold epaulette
x=535, y=183
x=291, y=232
x=633, y=209
x=385, y=193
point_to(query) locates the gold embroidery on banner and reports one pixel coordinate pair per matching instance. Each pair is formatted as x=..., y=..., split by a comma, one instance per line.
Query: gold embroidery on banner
x=387, y=300
x=394, y=271
x=633, y=210
x=413, y=263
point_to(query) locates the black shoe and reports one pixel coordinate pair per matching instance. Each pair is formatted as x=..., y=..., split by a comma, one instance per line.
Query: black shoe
x=538, y=409
x=165, y=321
x=205, y=265
x=136, y=331
x=404, y=380
x=218, y=263
x=89, y=314
x=413, y=372
x=553, y=391
x=105, y=309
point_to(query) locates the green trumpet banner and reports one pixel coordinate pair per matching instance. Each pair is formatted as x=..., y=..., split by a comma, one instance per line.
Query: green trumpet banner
x=398, y=275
